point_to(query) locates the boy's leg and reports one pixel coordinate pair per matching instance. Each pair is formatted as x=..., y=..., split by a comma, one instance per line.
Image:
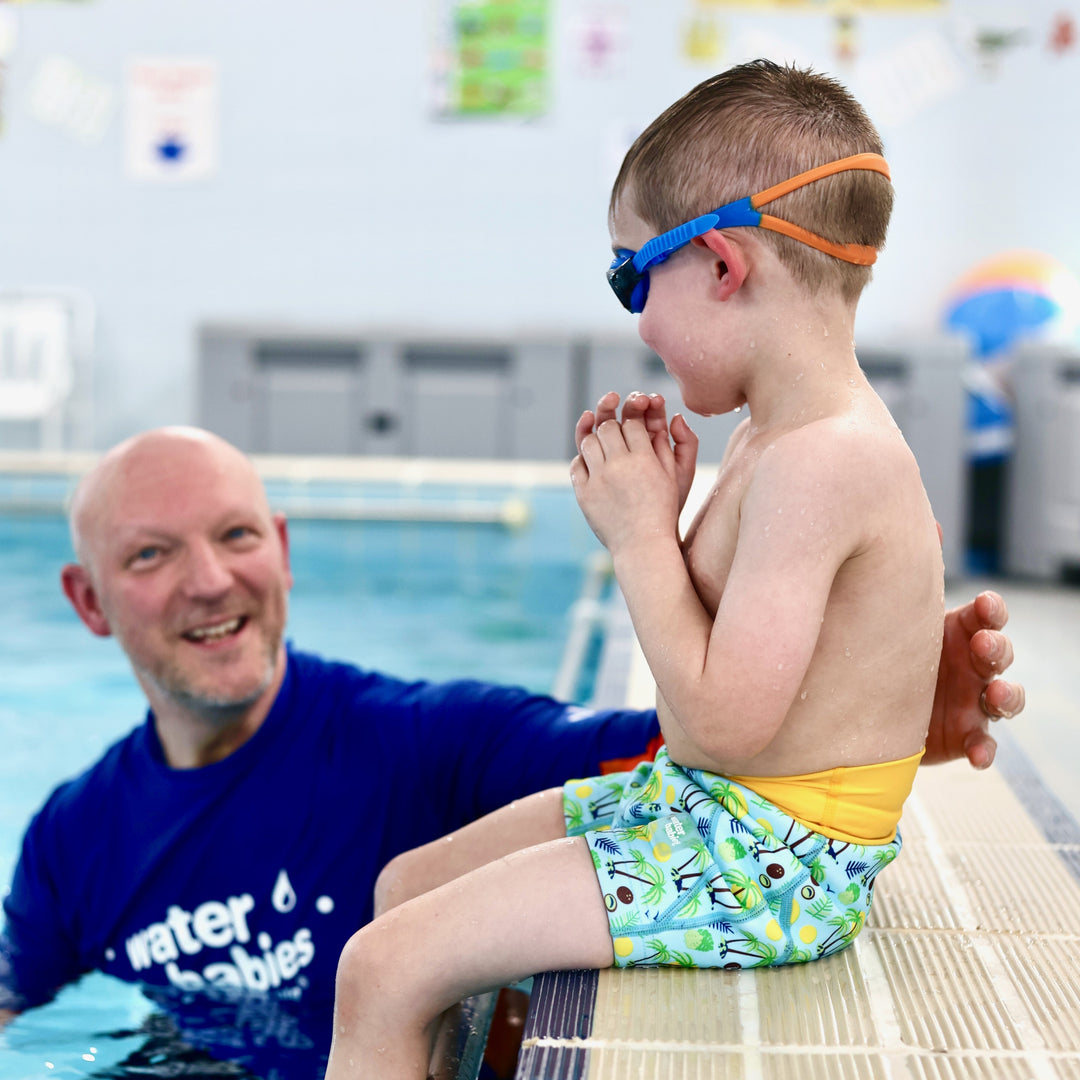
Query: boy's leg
x=533, y=910
x=521, y=824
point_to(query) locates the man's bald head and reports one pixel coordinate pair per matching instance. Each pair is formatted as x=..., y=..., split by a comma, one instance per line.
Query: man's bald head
x=143, y=462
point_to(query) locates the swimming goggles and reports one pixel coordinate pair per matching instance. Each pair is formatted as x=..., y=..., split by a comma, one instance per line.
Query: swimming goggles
x=628, y=275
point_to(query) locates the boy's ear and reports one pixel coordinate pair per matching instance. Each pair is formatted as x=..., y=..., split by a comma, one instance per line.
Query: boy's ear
x=731, y=262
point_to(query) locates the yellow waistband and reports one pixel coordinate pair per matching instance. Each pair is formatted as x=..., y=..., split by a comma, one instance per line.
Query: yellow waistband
x=860, y=804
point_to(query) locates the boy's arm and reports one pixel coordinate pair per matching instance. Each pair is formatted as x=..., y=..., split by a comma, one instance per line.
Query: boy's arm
x=754, y=655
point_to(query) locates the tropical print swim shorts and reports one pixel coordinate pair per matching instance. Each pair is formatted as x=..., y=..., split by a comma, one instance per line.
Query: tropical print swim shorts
x=699, y=871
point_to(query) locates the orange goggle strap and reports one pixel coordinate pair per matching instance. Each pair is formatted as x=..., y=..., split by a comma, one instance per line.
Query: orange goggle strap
x=859, y=254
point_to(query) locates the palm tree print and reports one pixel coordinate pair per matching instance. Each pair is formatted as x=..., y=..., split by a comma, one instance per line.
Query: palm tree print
x=736, y=884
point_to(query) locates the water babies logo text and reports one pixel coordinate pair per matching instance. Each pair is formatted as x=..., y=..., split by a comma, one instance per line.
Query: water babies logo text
x=255, y=962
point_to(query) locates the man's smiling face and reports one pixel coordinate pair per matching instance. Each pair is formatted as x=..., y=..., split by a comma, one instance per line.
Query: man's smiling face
x=187, y=568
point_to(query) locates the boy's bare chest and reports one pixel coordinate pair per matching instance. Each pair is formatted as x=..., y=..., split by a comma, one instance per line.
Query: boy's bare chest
x=709, y=545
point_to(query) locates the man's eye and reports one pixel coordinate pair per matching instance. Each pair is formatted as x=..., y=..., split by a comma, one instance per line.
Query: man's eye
x=145, y=554
x=238, y=532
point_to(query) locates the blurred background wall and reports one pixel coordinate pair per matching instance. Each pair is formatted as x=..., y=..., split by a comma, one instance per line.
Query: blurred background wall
x=335, y=194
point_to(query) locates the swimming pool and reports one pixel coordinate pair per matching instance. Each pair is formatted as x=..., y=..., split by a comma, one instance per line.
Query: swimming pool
x=431, y=598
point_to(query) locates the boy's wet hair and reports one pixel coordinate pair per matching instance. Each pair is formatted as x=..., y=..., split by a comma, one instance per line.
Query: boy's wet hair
x=746, y=129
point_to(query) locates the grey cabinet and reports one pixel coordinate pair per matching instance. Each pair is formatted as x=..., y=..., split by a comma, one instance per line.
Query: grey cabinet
x=282, y=391
x=1043, y=486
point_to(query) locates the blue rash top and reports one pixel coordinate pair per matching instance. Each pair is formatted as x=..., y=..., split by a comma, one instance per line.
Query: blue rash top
x=251, y=873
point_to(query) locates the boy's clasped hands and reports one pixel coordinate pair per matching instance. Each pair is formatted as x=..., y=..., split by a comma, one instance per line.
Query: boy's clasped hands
x=632, y=477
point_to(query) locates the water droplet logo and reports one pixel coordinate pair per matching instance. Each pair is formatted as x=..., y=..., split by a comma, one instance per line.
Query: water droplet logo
x=284, y=896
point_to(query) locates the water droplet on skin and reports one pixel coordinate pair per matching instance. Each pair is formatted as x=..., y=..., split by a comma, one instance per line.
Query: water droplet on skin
x=738, y=408
x=779, y=667
x=753, y=344
x=826, y=329
x=847, y=653
x=802, y=696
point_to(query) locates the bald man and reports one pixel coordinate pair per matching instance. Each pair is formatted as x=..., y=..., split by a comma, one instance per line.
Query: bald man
x=232, y=840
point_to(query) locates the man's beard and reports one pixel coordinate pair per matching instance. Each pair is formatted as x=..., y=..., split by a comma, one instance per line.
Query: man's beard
x=221, y=708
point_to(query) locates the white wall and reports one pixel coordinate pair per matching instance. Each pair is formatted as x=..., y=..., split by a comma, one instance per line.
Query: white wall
x=340, y=202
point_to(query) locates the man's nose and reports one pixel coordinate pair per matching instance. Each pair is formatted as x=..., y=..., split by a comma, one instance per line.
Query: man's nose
x=206, y=573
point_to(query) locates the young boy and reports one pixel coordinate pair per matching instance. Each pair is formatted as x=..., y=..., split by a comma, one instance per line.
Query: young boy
x=784, y=632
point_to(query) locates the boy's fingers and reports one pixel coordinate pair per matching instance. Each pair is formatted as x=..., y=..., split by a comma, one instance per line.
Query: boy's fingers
x=592, y=450
x=635, y=406
x=681, y=431
x=607, y=407
x=656, y=415
x=611, y=438
x=636, y=435
x=585, y=425
x=686, y=442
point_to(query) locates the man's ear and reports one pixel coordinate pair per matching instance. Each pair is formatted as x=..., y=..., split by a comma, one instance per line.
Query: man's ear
x=281, y=527
x=79, y=589
x=731, y=262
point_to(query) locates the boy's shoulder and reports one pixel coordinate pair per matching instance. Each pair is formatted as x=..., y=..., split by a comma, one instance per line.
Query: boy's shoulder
x=838, y=438
x=845, y=458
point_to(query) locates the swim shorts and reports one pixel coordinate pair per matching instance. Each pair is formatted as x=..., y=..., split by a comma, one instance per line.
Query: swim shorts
x=699, y=871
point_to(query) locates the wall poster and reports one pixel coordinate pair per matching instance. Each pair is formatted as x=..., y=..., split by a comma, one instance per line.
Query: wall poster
x=492, y=57
x=829, y=7
x=172, y=119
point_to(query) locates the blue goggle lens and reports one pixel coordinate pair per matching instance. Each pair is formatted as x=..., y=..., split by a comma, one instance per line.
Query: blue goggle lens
x=628, y=283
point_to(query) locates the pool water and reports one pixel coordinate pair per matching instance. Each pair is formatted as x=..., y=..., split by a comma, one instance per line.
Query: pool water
x=428, y=600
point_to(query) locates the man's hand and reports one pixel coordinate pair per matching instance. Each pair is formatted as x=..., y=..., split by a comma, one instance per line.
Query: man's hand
x=969, y=693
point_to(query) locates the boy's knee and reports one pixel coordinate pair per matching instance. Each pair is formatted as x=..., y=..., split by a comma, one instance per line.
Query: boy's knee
x=398, y=881
x=367, y=956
